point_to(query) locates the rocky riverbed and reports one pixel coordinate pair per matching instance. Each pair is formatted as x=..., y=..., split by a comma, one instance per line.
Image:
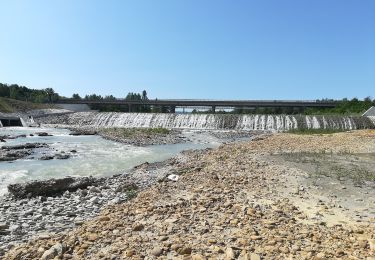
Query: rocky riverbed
x=234, y=202
x=40, y=216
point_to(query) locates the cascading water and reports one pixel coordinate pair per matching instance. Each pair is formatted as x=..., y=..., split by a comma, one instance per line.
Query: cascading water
x=210, y=121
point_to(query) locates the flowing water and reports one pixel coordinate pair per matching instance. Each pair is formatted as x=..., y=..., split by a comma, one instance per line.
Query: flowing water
x=95, y=156
x=210, y=121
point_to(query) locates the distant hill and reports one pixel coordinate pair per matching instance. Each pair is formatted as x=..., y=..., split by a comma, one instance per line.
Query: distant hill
x=8, y=105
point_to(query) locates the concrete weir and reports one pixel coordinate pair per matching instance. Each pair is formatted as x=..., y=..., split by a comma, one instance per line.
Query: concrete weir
x=10, y=121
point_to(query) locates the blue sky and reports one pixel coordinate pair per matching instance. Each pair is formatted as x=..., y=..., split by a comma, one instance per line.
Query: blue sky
x=209, y=49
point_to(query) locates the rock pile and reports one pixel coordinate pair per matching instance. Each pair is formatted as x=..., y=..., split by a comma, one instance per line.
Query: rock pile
x=14, y=152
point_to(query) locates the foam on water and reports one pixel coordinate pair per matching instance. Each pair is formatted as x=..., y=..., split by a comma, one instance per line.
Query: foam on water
x=95, y=156
x=211, y=121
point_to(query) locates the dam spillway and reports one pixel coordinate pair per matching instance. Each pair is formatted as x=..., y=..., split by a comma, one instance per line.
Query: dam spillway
x=209, y=121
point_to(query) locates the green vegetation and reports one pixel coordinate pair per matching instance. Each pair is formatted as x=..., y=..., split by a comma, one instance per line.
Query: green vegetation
x=8, y=105
x=345, y=106
x=130, y=194
x=117, y=108
x=304, y=131
x=22, y=93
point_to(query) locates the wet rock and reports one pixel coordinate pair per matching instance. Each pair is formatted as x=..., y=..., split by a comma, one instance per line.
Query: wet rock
x=46, y=157
x=24, y=146
x=50, y=187
x=43, y=134
x=83, y=132
x=62, y=156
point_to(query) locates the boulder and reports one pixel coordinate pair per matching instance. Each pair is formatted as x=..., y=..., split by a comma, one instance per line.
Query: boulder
x=24, y=146
x=43, y=134
x=51, y=187
x=83, y=132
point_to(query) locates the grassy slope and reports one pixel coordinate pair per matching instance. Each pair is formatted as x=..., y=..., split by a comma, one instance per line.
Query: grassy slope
x=8, y=105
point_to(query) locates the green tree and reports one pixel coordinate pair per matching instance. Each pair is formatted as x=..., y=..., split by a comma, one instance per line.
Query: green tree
x=76, y=96
x=50, y=93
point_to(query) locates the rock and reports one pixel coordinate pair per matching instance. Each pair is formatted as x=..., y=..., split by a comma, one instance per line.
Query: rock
x=83, y=132
x=186, y=250
x=371, y=242
x=94, y=190
x=320, y=256
x=157, y=251
x=115, y=201
x=46, y=157
x=197, y=257
x=94, y=200
x=3, y=226
x=56, y=250
x=62, y=156
x=24, y=146
x=50, y=187
x=92, y=237
x=43, y=134
x=138, y=227
x=173, y=177
x=104, y=218
x=229, y=253
x=254, y=256
x=14, y=228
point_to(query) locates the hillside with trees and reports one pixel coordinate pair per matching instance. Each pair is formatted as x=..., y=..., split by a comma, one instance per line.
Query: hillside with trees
x=23, y=93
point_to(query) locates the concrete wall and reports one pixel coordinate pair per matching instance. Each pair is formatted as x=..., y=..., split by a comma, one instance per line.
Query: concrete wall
x=75, y=107
x=370, y=112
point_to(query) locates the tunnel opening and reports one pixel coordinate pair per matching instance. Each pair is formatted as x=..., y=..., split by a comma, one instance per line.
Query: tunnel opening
x=6, y=122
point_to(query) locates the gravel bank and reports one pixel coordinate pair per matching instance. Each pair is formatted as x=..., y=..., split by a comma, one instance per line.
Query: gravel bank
x=228, y=203
x=23, y=219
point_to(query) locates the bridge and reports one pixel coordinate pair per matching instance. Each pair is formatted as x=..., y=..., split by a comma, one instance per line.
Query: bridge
x=213, y=104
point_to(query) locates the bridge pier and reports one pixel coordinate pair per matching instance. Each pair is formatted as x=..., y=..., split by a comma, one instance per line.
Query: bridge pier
x=129, y=108
x=172, y=109
x=213, y=109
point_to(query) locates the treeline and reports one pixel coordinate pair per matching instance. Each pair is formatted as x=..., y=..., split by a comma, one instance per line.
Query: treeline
x=345, y=106
x=117, y=108
x=23, y=93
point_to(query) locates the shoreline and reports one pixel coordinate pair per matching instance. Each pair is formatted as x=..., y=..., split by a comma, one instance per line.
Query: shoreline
x=71, y=209
x=22, y=219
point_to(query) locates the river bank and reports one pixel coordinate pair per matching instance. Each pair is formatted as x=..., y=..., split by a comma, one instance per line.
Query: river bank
x=228, y=203
x=22, y=219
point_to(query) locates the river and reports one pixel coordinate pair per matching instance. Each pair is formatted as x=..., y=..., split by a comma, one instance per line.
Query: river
x=95, y=155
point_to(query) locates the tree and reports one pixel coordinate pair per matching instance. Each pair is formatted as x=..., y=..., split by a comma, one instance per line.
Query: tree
x=50, y=93
x=76, y=96
x=144, y=95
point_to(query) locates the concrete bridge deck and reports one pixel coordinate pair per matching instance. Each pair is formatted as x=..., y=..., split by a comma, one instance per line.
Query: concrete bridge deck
x=173, y=103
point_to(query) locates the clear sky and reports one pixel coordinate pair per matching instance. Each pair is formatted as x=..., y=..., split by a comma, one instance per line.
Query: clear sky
x=209, y=49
